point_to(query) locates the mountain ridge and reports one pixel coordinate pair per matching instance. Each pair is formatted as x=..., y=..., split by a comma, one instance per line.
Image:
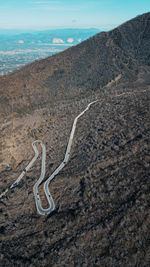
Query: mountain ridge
x=102, y=213
x=91, y=64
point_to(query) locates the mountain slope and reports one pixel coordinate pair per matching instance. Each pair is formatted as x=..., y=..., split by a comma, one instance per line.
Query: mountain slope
x=17, y=50
x=102, y=194
x=88, y=66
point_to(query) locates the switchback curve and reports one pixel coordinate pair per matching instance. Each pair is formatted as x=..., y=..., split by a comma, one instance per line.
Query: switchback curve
x=50, y=200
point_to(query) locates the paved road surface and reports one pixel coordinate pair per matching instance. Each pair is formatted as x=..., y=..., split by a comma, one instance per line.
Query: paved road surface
x=50, y=200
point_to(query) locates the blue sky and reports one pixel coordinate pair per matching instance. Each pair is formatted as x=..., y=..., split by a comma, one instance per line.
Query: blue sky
x=51, y=14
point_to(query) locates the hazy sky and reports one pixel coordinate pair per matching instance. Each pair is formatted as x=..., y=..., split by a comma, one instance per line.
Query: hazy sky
x=47, y=14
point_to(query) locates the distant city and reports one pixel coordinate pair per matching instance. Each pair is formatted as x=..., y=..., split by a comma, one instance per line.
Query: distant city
x=17, y=50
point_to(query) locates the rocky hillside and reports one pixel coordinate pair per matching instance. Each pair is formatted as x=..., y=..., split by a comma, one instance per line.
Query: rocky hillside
x=102, y=214
x=81, y=69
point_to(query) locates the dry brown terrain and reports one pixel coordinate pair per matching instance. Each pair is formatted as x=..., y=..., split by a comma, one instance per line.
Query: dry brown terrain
x=102, y=196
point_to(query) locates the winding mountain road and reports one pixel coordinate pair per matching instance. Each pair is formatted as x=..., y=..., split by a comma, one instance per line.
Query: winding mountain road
x=50, y=200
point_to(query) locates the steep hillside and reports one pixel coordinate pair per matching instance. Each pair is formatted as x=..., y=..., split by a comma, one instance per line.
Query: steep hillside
x=102, y=213
x=81, y=69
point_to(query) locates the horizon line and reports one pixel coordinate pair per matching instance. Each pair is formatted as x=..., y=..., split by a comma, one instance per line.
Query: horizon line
x=103, y=27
